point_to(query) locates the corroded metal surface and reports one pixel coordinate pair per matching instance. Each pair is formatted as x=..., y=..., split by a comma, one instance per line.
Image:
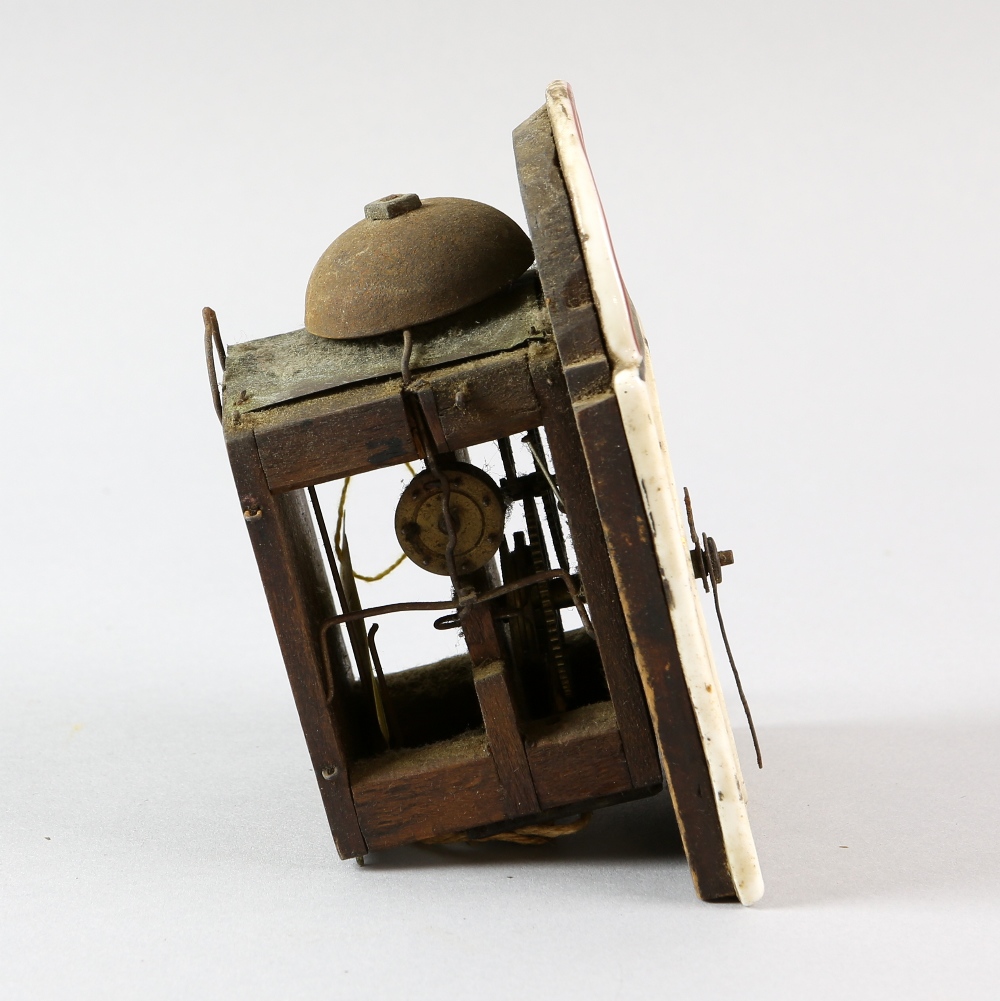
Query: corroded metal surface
x=409, y=267
x=477, y=519
x=290, y=366
x=390, y=206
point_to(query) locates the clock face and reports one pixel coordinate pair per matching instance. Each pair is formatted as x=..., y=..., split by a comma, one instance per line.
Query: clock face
x=635, y=390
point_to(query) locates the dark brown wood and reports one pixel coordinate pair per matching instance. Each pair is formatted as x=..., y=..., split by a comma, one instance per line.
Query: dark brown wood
x=559, y=813
x=496, y=702
x=630, y=547
x=364, y=427
x=497, y=775
x=343, y=433
x=578, y=756
x=452, y=786
x=505, y=740
x=435, y=701
x=481, y=636
x=298, y=595
x=588, y=377
x=433, y=423
x=578, y=337
x=410, y=795
x=486, y=399
x=596, y=573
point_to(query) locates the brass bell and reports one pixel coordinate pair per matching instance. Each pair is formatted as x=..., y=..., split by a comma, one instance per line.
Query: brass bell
x=409, y=262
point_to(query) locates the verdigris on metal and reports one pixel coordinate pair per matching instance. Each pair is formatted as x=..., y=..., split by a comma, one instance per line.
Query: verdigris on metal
x=289, y=366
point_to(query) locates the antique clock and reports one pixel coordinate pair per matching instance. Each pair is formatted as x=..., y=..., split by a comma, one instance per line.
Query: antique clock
x=586, y=678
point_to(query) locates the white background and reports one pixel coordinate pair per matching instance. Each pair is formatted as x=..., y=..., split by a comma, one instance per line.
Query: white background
x=804, y=201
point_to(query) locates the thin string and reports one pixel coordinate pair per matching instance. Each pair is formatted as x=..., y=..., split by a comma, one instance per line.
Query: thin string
x=338, y=534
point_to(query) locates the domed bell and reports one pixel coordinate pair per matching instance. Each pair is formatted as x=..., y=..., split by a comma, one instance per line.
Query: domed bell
x=411, y=261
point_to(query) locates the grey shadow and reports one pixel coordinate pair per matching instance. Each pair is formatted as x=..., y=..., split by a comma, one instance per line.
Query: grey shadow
x=643, y=830
x=870, y=811
x=841, y=812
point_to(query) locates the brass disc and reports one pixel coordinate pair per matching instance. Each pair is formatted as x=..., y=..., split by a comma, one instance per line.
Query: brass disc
x=477, y=514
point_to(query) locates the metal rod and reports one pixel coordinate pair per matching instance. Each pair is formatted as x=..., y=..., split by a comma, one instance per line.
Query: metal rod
x=430, y=458
x=534, y=442
x=736, y=674
x=359, y=658
x=213, y=343
x=449, y=524
x=536, y=578
x=550, y=499
x=492, y=594
x=399, y=606
x=353, y=604
x=388, y=722
x=404, y=368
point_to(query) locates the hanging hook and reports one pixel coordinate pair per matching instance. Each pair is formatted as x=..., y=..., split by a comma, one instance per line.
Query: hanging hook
x=213, y=346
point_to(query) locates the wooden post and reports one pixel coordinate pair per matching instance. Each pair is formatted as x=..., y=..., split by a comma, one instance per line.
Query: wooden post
x=298, y=595
x=596, y=574
x=503, y=731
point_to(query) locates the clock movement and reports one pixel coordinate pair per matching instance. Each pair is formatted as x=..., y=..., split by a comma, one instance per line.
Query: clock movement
x=436, y=326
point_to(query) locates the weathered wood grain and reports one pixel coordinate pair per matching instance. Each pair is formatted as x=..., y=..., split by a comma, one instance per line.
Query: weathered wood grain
x=603, y=601
x=299, y=598
x=410, y=795
x=505, y=740
x=364, y=427
x=452, y=786
x=486, y=399
x=578, y=756
x=578, y=337
x=328, y=437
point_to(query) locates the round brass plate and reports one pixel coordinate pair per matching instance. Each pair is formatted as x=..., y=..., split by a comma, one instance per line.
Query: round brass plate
x=477, y=513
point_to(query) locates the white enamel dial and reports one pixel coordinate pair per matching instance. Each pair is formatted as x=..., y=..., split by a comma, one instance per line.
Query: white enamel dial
x=635, y=390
